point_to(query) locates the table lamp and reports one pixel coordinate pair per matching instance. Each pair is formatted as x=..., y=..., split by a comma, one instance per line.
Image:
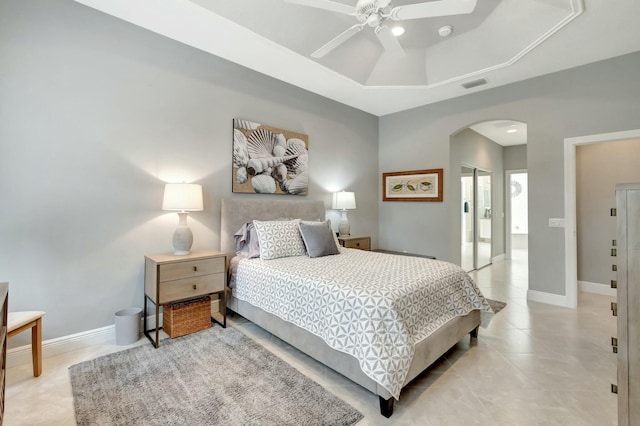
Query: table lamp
x=183, y=198
x=344, y=201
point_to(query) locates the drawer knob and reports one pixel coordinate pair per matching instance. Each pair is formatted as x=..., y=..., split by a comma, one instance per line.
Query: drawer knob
x=195, y=286
x=358, y=244
x=195, y=269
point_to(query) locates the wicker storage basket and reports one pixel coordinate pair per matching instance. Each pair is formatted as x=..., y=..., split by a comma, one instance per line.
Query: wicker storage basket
x=186, y=317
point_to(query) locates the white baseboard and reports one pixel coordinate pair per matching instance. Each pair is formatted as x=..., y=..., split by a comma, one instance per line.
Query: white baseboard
x=22, y=354
x=52, y=347
x=104, y=335
x=548, y=298
x=596, y=288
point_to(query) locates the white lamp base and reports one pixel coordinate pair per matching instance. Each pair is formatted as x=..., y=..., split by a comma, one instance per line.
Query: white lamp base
x=344, y=227
x=182, y=237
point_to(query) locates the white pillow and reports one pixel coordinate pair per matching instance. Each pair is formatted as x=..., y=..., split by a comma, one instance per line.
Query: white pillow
x=279, y=238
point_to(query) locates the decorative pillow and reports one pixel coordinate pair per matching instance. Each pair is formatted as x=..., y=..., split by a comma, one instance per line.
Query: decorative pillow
x=279, y=238
x=246, y=239
x=328, y=222
x=318, y=239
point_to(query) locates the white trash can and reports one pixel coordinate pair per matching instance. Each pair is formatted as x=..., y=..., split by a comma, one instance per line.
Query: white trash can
x=128, y=326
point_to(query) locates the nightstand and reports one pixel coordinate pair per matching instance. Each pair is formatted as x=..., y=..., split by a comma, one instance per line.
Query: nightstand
x=362, y=243
x=170, y=278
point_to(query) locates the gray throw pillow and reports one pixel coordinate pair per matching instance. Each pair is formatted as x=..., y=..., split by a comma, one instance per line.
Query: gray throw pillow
x=318, y=239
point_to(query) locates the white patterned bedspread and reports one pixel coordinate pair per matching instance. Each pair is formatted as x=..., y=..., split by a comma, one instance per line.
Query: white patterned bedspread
x=373, y=306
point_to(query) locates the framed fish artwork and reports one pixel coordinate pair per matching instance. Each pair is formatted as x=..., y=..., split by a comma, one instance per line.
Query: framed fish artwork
x=268, y=160
x=414, y=185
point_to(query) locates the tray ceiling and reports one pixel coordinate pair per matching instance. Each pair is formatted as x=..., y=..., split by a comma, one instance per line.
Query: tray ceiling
x=502, y=41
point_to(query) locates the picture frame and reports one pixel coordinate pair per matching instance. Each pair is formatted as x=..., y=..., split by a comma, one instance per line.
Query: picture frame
x=269, y=160
x=413, y=185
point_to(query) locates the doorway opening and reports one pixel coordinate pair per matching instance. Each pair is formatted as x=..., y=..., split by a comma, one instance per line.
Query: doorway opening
x=517, y=207
x=570, y=235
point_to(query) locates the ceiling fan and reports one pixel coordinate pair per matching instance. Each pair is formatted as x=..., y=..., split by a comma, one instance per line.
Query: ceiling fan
x=376, y=13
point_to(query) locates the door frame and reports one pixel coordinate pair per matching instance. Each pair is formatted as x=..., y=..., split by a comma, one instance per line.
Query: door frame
x=570, y=231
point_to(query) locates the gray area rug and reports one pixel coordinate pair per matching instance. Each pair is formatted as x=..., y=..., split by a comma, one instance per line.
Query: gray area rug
x=213, y=377
x=486, y=317
x=496, y=305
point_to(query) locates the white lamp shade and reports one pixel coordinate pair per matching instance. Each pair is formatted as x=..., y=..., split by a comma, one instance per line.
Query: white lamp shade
x=344, y=200
x=182, y=197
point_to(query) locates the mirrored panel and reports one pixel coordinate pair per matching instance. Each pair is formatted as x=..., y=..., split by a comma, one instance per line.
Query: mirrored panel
x=468, y=219
x=476, y=218
x=484, y=218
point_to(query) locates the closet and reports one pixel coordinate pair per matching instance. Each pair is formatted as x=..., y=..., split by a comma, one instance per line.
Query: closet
x=626, y=252
x=476, y=226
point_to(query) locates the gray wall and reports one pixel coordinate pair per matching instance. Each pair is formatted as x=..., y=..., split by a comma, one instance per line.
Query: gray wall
x=472, y=149
x=597, y=98
x=96, y=114
x=599, y=167
x=515, y=157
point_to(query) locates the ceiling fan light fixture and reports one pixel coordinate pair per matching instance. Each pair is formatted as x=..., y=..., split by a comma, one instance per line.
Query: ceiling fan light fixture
x=512, y=131
x=374, y=13
x=445, y=31
x=397, y=31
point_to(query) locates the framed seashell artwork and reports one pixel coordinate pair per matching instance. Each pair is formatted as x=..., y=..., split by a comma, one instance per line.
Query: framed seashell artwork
x=414, y=185
x=268, y=160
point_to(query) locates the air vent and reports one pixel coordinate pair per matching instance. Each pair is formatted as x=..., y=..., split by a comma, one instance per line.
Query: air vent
x=474, y=83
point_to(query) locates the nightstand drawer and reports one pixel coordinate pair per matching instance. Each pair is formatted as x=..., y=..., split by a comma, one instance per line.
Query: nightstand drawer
x=190, y=287
x=193, y=268
x=363, y=243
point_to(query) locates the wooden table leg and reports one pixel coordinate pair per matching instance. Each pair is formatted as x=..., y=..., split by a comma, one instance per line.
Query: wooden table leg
x=36, y=347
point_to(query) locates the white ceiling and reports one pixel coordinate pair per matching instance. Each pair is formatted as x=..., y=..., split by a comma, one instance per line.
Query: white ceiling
x=503, y=132
x=503, y=41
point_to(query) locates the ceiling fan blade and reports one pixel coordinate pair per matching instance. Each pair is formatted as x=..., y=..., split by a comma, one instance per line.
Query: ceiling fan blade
x=337, y=41
x=326, y=5
x=389, y=41
x=432, y=9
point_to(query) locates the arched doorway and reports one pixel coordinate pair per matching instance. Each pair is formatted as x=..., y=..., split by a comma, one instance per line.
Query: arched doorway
x=480, y=156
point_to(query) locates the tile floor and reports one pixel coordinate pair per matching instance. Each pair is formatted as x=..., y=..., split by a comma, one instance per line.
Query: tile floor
x=534, y=364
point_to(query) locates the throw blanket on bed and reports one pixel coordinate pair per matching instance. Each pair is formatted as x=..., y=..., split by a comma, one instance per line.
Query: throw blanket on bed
x=373, y=306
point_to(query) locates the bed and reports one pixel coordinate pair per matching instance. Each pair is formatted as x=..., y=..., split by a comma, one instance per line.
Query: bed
x=401, y=359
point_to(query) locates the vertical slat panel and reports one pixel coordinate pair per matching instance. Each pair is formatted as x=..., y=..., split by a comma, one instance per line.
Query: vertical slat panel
x=623, y=345
x=628, y=283
x=633, y=304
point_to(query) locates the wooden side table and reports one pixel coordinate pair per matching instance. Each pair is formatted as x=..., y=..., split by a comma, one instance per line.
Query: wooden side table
x=170, y=278
x=362, y=243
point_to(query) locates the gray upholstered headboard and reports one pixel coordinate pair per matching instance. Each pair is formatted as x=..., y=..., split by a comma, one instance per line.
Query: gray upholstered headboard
x=237, y=211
